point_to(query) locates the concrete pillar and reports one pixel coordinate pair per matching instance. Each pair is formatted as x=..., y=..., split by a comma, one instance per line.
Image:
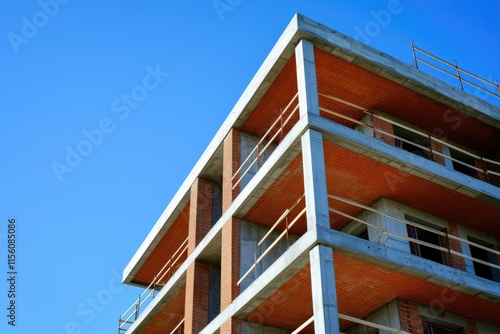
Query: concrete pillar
x=447, y=162
x=197, y=295
x=198, y=274
x=315, y=179
x=324, y=294
x=306, y=78
x=230, y=269
x=231, y=163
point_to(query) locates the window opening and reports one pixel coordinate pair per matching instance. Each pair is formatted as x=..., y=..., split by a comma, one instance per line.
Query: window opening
x=430, y=237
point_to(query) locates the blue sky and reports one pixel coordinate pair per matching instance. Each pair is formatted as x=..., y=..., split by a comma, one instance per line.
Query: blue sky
x=139, y=88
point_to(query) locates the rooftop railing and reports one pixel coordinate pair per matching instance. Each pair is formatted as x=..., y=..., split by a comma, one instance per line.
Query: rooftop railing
x=463, y=76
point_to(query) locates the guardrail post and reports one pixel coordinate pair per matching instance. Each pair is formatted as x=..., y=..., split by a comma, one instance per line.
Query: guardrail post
x=137, y=307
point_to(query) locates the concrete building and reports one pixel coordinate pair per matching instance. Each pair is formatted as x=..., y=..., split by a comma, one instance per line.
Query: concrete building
x=347, y=191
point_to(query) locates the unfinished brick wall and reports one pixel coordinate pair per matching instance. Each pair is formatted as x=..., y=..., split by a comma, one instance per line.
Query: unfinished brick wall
x=379, y=124
x=437, y=147
x=231, y=163
x=454, y=260
x=230, y=240
x=198, y=273
x=230, y=268
x=471, y=327
x=480, y=174
x=200, y=211
x=197, y=292
x=411, y=321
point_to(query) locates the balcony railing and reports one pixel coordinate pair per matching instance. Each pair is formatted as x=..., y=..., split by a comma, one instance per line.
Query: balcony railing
x=278, y=127
x=441, y=234
x=282, y=220
x=132, y=313
x=486, y=169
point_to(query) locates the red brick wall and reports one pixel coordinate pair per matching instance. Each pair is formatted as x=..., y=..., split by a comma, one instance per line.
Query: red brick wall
x=198, y=274
x=230, y=253
x=230, y=269
x=437, y=147
x=411, y=321
x=454, y=260
x=196, y=307
x=385, y=126
x=471, y=327
x=480, y=174
x=231, y=163
x=200, y=212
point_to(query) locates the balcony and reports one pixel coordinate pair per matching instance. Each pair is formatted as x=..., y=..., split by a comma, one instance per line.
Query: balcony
x=419, y=142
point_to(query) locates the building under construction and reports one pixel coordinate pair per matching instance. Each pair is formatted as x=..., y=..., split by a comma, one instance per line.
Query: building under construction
x=347, y=191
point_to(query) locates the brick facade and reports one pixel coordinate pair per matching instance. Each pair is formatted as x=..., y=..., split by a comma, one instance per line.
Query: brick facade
x=198, y=274
x=230, y=248
x=455, y=261
x=380, y=124
x=411, y=321
x=197, y=288
x=231, y=157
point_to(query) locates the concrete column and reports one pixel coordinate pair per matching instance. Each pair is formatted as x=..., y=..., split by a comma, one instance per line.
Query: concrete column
x=324, y=294
x=306, y=78
x=197, y=295
x=230, y=269
x=231, y=163
x=447, y=162
x=315, y=179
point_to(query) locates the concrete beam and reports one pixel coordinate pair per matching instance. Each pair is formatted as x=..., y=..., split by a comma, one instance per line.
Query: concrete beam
x=410, y=264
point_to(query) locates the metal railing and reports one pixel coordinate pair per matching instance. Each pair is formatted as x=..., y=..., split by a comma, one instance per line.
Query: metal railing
x=490, y=169
x=288, y=226
x=458, y=73
x=148, y=294
x=442, y=234
x=355, y=320
x=279, y=125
